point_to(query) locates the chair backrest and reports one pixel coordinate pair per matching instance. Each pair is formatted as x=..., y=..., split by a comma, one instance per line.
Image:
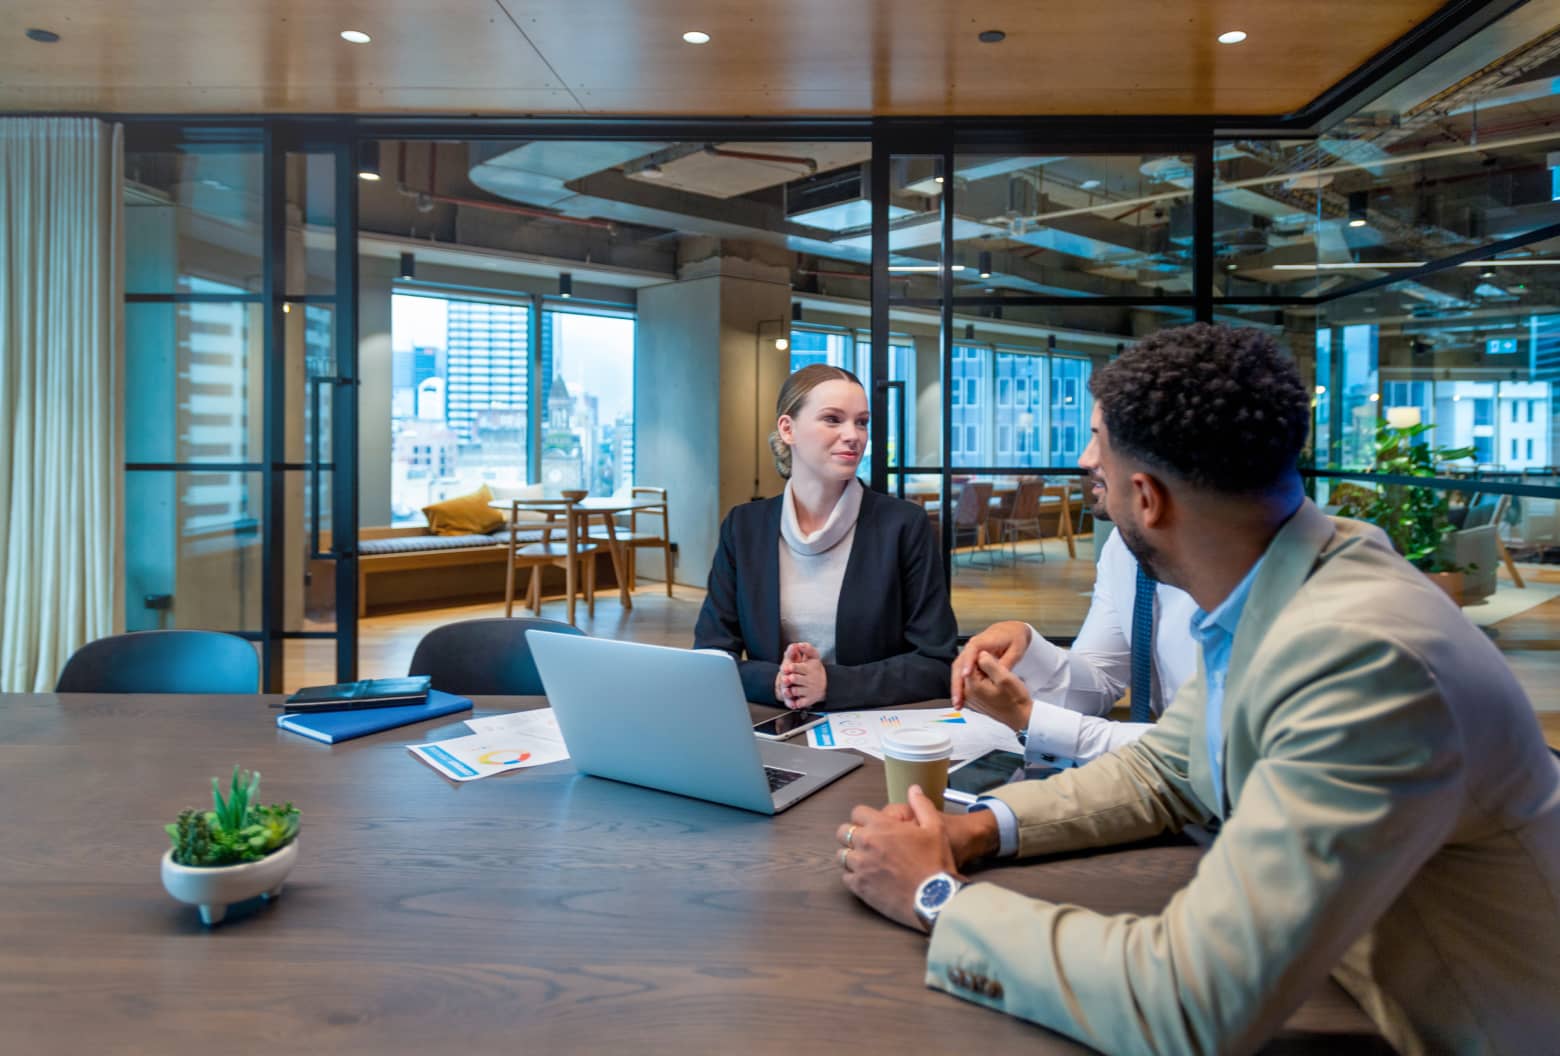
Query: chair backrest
x=483, y=657
x=1485, y=509
x=1026, y=504
x=163, y=662
x=974, y=504
x=1002, y=504
x=645, y=491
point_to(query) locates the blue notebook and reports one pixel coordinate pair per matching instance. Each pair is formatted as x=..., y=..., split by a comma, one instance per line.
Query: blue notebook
x=333, y=726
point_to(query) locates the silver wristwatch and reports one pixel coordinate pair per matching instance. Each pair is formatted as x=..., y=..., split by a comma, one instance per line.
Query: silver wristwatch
x=933, y=894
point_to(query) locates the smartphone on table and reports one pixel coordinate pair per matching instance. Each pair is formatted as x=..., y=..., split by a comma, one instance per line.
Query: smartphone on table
x=787, y=724
x=973, y=778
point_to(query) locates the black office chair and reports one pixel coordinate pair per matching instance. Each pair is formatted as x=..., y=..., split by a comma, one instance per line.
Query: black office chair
x=163, y=662
x=484, y=657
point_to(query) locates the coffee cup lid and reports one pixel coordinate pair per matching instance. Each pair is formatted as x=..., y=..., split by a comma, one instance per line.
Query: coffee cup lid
x=916, y=745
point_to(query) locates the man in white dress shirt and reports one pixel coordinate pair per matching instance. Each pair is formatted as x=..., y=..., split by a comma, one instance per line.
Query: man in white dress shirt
x=1057, y=698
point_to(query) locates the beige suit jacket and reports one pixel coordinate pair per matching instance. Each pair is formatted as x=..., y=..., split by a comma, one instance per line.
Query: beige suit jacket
x=1393, y=819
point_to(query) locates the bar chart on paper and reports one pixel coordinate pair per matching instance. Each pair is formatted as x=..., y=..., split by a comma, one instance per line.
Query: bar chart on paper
x=972, y=733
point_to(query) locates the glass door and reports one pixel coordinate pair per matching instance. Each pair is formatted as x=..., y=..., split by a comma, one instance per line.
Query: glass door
x=241, y=405
x=313, y=426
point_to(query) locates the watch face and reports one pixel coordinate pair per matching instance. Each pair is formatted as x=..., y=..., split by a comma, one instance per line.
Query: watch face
x=936, y=892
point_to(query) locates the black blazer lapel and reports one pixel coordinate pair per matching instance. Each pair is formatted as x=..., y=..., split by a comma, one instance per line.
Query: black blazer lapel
x=856, y=588
x=766, y=596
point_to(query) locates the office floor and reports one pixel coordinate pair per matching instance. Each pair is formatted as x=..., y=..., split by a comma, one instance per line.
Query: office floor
x=1053, y=595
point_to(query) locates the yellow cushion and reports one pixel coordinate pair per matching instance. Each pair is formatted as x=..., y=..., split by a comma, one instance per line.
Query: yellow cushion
x=464, y=514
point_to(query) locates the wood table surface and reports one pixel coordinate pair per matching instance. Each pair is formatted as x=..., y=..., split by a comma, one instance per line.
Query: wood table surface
x=536, y=911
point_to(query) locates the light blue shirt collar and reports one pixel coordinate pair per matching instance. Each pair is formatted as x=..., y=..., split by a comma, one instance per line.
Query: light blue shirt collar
x=1215, y=632
x=1226, y=615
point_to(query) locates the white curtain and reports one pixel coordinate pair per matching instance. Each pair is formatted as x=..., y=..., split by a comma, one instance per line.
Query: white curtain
x=61, y=338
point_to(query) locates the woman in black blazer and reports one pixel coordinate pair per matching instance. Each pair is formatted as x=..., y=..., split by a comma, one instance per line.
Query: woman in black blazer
x=832, y=592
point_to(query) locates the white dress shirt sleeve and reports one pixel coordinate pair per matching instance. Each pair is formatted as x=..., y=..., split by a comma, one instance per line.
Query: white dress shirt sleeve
x=1063, y=734
x=1007, y=824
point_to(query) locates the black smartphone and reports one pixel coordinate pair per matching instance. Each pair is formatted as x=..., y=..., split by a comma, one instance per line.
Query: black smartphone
x=969, y=780
x=786, y=724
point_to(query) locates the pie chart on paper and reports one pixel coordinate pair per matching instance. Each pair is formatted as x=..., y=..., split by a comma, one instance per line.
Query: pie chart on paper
x=503, y=757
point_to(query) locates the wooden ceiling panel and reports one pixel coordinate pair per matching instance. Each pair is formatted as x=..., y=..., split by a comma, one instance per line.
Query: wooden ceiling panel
x=801, y=57
x=283, y=55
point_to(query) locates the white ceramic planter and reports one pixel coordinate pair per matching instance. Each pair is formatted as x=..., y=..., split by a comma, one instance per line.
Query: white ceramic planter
x=214, y=888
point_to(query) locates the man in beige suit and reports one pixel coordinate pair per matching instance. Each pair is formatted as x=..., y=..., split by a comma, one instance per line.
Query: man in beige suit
x=1390, y=813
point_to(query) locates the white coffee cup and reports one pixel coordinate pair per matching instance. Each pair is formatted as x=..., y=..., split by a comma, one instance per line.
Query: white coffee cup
x=916, y=757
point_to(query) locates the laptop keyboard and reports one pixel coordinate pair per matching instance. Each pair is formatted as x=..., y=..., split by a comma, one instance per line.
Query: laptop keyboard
x=779, y=778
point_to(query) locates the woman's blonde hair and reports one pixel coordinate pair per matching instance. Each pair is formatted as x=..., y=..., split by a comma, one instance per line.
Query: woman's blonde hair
x=793, y=394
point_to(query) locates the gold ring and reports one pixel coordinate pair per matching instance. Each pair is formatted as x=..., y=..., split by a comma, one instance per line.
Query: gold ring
x=850, y=835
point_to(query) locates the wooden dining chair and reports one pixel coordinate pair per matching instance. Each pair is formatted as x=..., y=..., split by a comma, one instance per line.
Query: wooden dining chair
x=574, y=553
x=1024, y=518
x=971, y=511
x=633, y=538
x=1002, y=505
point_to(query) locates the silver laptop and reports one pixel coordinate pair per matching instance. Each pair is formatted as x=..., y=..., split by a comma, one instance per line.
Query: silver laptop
x=672, y=719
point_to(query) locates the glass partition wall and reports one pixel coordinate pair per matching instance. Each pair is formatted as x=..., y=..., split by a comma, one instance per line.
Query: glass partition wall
x=1027, y=269
x=974, y=276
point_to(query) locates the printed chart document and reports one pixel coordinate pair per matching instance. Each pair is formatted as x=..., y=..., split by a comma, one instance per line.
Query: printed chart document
x=971, y=732
x=500, y=743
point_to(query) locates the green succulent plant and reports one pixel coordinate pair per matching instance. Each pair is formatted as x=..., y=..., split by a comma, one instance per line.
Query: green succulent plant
x=238, y=829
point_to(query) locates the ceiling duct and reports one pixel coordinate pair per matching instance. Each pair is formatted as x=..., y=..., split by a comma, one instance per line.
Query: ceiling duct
x=836, y=201
x=731, y=170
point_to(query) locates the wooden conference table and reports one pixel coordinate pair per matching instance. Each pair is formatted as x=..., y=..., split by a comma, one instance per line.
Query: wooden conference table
x=537, y=911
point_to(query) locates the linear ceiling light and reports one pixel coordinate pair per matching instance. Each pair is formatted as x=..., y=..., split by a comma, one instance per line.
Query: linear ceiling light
x=923, y=267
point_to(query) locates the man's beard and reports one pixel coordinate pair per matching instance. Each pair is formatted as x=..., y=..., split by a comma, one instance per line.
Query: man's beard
x=1147, y=556
x=1097, y=510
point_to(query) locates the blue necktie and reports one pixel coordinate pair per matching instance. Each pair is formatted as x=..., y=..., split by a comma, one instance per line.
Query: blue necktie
x=1143, y=647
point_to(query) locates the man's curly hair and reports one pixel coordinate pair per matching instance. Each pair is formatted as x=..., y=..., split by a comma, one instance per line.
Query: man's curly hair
x=1220, y=407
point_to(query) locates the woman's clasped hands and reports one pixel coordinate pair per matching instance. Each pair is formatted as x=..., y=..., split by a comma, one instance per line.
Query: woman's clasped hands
x=801, y=681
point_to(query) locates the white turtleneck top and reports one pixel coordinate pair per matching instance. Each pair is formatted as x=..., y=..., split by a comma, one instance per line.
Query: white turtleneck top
x=812, y=567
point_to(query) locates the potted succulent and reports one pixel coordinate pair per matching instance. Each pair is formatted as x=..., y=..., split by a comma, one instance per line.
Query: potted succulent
x=1416, y=518
x=233, y=852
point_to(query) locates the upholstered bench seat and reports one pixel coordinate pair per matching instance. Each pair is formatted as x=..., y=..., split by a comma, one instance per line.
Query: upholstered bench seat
x=410, y=567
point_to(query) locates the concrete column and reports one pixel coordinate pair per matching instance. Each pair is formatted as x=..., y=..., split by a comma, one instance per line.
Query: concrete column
x=708, y=374
x=927, y=401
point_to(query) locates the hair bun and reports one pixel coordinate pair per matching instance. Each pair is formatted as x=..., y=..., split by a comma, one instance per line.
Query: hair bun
x=782, y=452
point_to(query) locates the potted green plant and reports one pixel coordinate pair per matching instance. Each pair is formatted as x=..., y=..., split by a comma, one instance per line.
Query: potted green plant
x=1416, y=518
x=233, y=852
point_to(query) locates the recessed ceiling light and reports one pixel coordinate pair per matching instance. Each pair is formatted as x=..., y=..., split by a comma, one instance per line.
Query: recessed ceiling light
x=696, y=36
x=1356, y=222
x=992, y=36
x=355, y=36
x=43, y=36
x=937, y=179
x=1234, y=36
x=1089, y=185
